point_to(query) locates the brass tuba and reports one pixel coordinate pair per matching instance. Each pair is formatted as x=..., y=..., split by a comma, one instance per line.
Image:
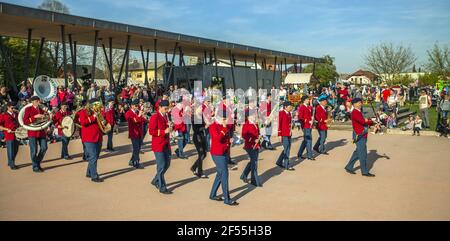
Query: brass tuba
x=96, y=108
x=45, y=88
x=329, y=119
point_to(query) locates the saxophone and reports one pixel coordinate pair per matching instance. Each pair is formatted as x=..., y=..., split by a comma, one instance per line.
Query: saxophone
x=329, y=119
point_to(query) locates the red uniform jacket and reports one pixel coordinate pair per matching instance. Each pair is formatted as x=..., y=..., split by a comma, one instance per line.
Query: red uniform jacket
x=250, y=133
x=358, y=122
x=28, y=118
x=9, y=121
x=177, y=118
x=321, y=117
x=77, y=121
x=110, y=117
x=305, y=116
x=160, y=140
x=284, y=123
x=135, y=124
x=89, y=127
x=57, y=119
x=343, y=93
x=220, y=140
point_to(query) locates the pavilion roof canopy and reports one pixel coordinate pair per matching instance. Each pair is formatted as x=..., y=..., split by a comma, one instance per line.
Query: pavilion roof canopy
x=16, y=20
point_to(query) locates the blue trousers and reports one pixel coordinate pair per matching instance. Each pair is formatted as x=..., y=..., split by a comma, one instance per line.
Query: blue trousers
x=92, y=153
x=306, y=143
x=109, y=144
x=84, y=151
x=162, y=164
x=188, y=132
x=136, y=143
x=65, y=146
x=252, y=167
x=221, y=178
x=320, y=144
x=208, y=139
x=284, y=156
x=144, y=133
x=12, y=147
x=182, y=141
x=359, y=154
x=37, y=156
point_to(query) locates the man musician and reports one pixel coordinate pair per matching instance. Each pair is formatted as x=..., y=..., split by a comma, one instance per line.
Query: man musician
x=135, y=120
x=160, y=131
x=306, y=121
x=57, y=120
x=92, y=138
x=32, y=114
x=360, y=133
x=321, y=118
x=9, y=124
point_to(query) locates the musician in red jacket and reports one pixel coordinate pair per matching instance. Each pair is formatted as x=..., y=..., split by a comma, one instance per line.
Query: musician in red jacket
x=92, y=138
x=110, y=117
x=306, y=121
x=360, y=133
x=251, y=135
x=180, y=127
x=265, y=111
x=57, y=120
x=77, y=122
x=220, y=146
x=160, y=130
x=8, y=124
x=135, y=121
x=321, y=117
x=285, y=134
x=35, y=113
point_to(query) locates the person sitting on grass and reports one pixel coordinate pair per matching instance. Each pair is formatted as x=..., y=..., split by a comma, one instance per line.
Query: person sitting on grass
x=443, y=127
x=409, y=124
x=417, y=125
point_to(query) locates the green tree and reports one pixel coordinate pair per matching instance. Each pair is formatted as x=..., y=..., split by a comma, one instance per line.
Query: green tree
x=439, y=61
x=325, y=71
x=428, y=79
x=389, y=60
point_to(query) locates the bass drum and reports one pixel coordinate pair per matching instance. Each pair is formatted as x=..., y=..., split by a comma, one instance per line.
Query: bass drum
x=68, y=126
x=21, y=133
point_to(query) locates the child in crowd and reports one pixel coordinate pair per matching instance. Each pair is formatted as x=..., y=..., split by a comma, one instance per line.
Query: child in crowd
x=409, y=124
x=391, y=121
x=417, y=125
x=443, y=127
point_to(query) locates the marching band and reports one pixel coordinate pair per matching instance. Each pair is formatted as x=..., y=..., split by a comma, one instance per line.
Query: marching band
x=213, y=131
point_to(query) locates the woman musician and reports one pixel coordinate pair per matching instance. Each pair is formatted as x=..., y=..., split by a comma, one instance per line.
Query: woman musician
x=252, y=137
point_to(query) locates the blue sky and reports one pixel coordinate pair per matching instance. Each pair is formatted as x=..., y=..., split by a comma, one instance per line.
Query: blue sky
x=343, y=29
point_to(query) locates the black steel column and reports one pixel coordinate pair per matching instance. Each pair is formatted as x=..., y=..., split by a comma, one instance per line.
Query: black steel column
x=55, y=66
x=74, y=69
x=314, y=69
x=215, y=61
x=205, y=60
x=295, y=68
x=155, y=57
x=232, y=69
x=256, y=73
x=144, y=63
x=73, y=58
x=126, y=68
x=274, y=70
x=127, y=47
x=94, y=59
x=63, y=41
x=171, y=64
x=300, y=67
x=27, y=55
x=111, y=77
x=38, y=58
x=285, y=66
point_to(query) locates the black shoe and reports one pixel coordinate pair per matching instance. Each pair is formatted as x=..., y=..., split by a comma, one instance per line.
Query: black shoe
x=290, y=169
x=312, y=159
x=280, y=166
x=369, y=175
x=155, y=184
x=88, y=176
x=68, y=158
x=97, y=179
x=131, y=164
x=244, y=179
x=350, y=171
x=165, y=192
x=138, y=166
x=256, y=185
x=232, y=163
x=111, y=149
x=316, y=149
x=14, y=167
x=38, y=170
x=232, y=203
x=203, y=176
x=219, y=199
x=324, y=153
